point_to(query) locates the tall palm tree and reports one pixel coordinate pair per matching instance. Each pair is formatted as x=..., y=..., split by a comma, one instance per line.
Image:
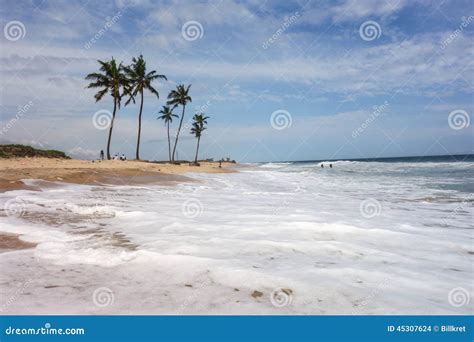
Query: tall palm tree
x=112, y=80
x=167, y=116
x=176, y=97
x=199, y=120
x=140, y=80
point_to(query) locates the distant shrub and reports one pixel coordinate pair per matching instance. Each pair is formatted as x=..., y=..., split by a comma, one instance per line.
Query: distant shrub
x=16, y=150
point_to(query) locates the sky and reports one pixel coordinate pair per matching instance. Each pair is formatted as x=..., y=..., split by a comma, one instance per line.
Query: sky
x=280, y=80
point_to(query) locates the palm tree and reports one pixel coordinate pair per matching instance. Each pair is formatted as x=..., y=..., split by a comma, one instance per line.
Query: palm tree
x=111, y=79
x=199, y=120
x=167, y=115
x=139, y=81
x=176, y=97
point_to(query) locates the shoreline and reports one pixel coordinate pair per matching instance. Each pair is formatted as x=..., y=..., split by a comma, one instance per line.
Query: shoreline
x=110, y=172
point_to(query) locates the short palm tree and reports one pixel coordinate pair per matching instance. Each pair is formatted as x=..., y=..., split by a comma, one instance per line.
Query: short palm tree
x=176, y=97
x=167, y=116
x=140, y=80
x=112, y=80
x=199, y=120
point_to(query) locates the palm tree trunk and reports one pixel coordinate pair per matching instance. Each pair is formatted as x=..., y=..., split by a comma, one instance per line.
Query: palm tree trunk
x=137, y=156
x=197, y=150
x=177, y=133
x=169, y=142
x=111, y=128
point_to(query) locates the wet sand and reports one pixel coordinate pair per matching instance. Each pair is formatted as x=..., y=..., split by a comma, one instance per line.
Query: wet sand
x=11, y=242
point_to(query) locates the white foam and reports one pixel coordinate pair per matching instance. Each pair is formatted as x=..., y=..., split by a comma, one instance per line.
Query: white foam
x=289, y=226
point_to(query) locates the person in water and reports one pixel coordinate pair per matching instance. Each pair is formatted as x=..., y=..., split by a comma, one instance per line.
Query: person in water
x=330, y=165
x=322, y=165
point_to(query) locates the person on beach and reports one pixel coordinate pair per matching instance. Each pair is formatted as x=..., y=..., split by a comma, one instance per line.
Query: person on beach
x=123, y=158
x=101, y=154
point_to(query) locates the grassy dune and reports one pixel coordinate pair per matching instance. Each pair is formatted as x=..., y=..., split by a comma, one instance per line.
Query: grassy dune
x=16, y=151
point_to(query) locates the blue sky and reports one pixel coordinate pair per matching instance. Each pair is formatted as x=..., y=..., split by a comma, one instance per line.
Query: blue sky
x=348, y=93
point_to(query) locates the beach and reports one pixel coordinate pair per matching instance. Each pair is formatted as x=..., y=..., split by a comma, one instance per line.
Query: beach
x=268, y=238
x=13, y=170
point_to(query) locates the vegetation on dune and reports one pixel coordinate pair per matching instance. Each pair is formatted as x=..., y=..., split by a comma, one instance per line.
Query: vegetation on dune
x=17, y=151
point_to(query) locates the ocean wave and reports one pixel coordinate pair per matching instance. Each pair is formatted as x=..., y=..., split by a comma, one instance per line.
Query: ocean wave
x=274, y=165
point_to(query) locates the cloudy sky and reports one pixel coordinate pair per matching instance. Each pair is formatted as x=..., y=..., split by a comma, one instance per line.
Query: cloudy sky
x=281, y=80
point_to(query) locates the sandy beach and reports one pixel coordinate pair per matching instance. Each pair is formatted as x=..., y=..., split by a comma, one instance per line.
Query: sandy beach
x=12, y=171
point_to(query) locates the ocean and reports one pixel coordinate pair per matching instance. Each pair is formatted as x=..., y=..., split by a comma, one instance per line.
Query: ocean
x=380, y=236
